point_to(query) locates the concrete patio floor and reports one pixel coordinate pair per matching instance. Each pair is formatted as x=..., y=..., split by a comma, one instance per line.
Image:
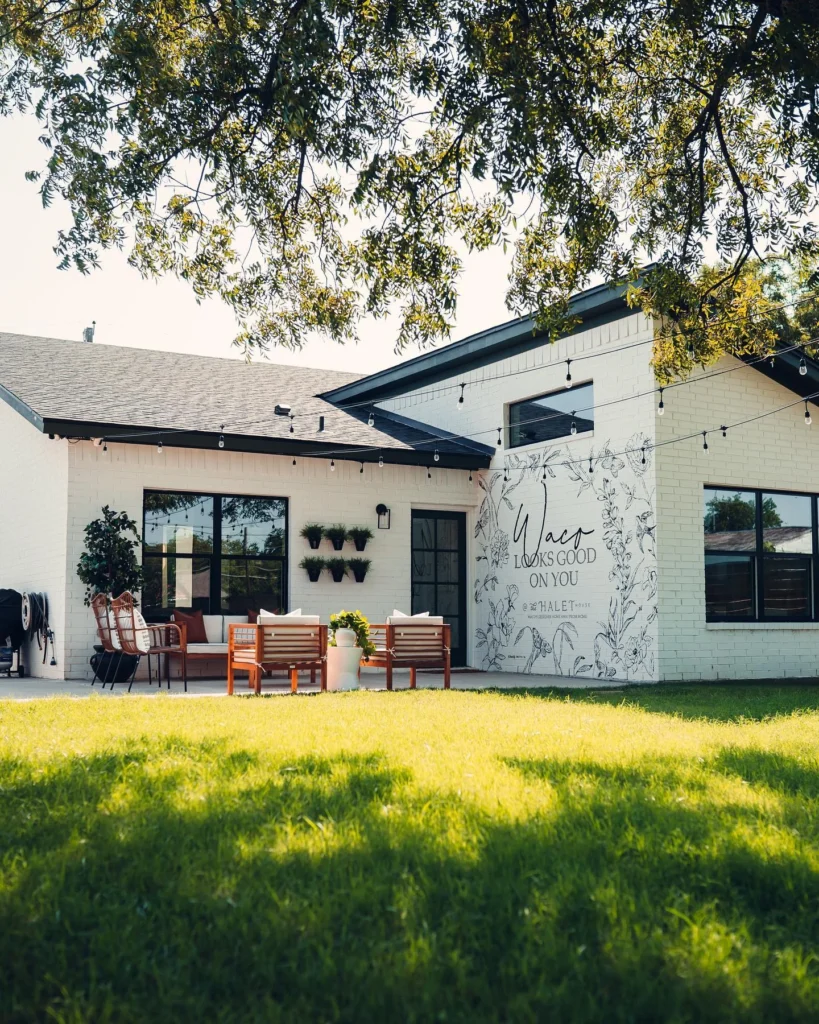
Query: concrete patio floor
x=373, y=679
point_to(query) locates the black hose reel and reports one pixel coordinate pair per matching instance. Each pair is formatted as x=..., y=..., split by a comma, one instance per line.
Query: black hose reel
x=36, y=625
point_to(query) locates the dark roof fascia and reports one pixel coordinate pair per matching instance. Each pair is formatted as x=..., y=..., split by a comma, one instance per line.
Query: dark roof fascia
x=785, y=371
x=252, y=444
x=594, y=307
x=20, y=406
x=443, y=435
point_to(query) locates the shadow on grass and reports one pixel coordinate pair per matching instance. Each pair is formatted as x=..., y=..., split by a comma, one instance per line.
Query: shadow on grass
x=185, y=882
x=716, y=702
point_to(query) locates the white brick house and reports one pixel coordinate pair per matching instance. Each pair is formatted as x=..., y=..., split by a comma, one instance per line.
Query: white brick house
x=663, y=562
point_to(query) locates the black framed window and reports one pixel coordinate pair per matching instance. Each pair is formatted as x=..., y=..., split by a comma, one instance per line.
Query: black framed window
x=760, y=555
x=219, y=553
x=547, y=417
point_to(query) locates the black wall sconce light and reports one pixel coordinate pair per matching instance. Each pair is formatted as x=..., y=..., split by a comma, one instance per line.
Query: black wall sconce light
x=383, y=514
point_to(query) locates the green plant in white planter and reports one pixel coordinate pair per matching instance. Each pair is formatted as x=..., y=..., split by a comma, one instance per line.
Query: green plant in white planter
x=351, y=622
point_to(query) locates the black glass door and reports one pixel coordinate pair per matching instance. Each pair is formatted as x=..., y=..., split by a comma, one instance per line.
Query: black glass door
x=439, y=572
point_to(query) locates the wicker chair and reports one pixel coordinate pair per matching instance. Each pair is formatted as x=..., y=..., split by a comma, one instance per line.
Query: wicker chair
x=142, y=638
x=411, y=643
x=107, y=636
x=266, y=646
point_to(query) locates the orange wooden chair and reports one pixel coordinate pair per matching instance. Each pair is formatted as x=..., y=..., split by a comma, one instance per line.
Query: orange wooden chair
x=264, y=646
x=411, y=643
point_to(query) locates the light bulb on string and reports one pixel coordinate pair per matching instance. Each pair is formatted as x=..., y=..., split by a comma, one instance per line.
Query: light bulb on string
x=499, y=437
x=380, y=461
x=724, y=431
x=429, y=473
x=705, y=442
x=222, y=437
x=332, y=465
x=661, y=406
x=362, y=468
x=568, y=373
x=692, y=355
x=291, y=422
x=771, y=361
x=371, y=419
x=808, y=420
x=159, y=447
x=294, y=462
x=803, y=366
x=105, y=446
x=461, y=399
x=574, y=425
x=436, y=456
x=470, y=476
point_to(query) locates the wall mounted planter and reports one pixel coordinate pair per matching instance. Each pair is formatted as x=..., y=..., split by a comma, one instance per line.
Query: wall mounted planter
x=313, y=567
x=313, y=533
x=336, y=535
x=338, y=568
x=359, y=535
x=359, y=567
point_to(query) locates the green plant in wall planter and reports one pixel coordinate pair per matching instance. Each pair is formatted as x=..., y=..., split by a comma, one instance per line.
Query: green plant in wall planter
x=337, y=534
x=358, y=624
x=359, y=535
x=313, y=533
x=109, y=564
x=337, y=567
x=313, y=567
x=359, y=567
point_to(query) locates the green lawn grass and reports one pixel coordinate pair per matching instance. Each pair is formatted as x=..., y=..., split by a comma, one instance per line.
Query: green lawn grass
x=645, y=855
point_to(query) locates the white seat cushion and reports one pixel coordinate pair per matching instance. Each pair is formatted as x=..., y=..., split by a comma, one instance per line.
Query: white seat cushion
x=424, y=619
x=289, y=620
x=112, y=626
x=142, y=636
x=213, y=628
x=207, y=649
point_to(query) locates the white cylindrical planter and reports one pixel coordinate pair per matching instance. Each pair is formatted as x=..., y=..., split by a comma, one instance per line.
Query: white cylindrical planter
x=342, y=666
x=345, y=637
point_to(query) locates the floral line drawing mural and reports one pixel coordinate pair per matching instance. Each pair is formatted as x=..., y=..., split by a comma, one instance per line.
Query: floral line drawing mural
x=623, y=646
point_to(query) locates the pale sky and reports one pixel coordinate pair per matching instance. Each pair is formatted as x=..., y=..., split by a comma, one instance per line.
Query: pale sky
x=38, y=299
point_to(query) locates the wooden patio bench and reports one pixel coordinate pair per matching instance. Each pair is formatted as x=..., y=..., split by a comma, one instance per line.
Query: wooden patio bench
x=285, y=644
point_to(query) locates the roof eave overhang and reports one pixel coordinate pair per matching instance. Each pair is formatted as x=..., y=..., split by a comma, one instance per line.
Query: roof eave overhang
x=322, y=449
x=785, y=371
x=594, y=307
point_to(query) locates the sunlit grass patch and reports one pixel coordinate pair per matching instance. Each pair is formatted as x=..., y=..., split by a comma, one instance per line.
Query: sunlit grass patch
x=412, y=856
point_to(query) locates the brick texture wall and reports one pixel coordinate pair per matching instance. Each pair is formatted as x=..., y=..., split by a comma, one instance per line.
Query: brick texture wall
x=33, y=526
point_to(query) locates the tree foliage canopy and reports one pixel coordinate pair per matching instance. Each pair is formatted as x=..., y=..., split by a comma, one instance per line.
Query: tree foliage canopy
x=312, y=161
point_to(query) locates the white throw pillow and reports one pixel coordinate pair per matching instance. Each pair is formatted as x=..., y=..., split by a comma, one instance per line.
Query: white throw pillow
x=295, y=612
x=142, y=636
x=402, y=615
x=272, y=615
x=112, y=626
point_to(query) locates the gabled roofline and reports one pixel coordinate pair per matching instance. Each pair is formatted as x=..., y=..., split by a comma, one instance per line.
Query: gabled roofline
x=594, y=307
x=21, y=407
x=785, y=371
x=475, y=456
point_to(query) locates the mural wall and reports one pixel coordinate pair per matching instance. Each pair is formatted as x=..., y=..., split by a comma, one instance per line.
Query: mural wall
x=566, y=567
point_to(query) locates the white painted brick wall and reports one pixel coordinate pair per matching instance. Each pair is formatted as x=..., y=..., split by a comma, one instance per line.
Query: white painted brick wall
x=778, y=452
x=619, y=368
x=119, y=477
x=33, y=526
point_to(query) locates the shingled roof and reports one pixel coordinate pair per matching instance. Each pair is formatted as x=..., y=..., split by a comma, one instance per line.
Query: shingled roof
x=135, y=395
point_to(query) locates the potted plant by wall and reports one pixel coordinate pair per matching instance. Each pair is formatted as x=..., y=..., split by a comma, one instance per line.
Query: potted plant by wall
x=313, y=567
x=359, y=535
x=313, y=533
x=109, y=563
x=359, y=567
x=337, y=534
x=351, y=629
x=337, y=567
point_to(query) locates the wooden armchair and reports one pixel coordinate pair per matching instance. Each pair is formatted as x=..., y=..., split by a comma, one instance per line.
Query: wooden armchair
x=139, y=638
x=265, y=646
x=413, y=644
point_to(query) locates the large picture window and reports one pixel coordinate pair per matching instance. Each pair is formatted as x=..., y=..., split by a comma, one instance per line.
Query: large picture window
x=221, y=554
x=547, y=417
x=760, y=549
